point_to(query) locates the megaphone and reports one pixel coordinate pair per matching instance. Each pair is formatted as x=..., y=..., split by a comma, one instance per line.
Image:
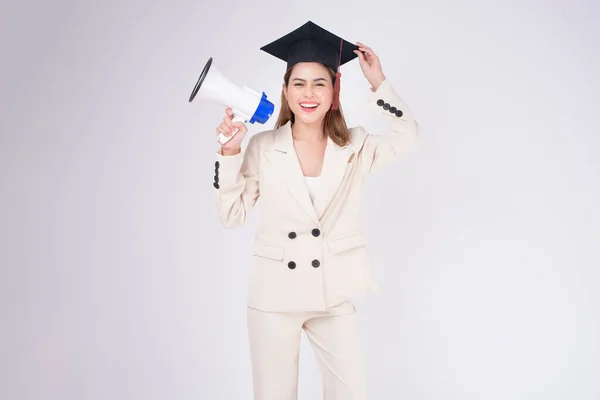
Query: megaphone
x=247, y=104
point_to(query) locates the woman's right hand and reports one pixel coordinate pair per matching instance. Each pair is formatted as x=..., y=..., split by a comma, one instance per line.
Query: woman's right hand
x=227, y=128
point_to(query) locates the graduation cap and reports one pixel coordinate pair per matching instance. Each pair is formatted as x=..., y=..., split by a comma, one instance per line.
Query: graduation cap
x=311, y=43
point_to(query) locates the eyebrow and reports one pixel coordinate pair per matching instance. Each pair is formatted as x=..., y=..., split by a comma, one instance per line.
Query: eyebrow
x=304, y=80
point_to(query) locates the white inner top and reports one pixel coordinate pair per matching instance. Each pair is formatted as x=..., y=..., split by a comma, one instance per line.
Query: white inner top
x=312, y=182
x=317, y=194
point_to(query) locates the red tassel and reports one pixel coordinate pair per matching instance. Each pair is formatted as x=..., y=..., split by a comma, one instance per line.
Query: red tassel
x=338, y=76
x=336, y=91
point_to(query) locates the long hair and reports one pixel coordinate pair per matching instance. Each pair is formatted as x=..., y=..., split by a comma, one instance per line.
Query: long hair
x=334, y=124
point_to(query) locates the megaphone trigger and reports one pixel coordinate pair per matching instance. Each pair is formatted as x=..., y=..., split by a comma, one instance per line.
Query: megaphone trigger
x=224, y=139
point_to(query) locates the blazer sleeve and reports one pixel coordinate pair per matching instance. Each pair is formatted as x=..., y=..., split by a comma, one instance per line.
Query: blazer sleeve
x=402, y=133
x=236, y=184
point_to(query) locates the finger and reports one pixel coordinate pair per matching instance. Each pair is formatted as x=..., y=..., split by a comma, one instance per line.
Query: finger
x=233, y=127
x=360, y=55
x=364, y=46
x=229, y=112
x=229, y=130
x=240, y=126
x=365, y=53
x=227, y=121
x=223, y=129
x=369, y=51
x=363, y=59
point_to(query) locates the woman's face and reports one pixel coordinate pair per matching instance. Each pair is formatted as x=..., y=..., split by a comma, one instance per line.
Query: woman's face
x=309, y=92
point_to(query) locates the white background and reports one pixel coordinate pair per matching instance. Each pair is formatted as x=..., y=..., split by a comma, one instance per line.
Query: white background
x=119, y=282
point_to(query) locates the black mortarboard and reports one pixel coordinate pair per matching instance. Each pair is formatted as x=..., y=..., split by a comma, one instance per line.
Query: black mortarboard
x=311, y=43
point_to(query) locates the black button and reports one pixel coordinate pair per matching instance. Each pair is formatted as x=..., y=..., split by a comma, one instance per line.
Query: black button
x=380, y=102
x=316, y=263
x=315, y=232
x=399, y=113
x=393, y=110
x=217, y=178
x=291, y=265
x=217, y=171
x=386, y=106
x=292, y=235
x=216, y=164
x=216, y=185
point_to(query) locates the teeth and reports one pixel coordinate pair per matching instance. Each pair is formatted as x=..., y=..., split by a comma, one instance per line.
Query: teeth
x=309, y=105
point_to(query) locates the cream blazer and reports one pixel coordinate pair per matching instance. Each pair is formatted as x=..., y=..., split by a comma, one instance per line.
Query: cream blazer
x=302, y=261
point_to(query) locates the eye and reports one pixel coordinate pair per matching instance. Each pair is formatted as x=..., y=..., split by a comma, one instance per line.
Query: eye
x=298, y=84
x=320, y=84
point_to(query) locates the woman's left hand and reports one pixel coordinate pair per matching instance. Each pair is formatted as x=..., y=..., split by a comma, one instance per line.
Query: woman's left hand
x=370, y=65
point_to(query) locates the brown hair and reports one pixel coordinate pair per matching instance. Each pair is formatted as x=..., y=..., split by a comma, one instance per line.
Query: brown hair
x=334, y=124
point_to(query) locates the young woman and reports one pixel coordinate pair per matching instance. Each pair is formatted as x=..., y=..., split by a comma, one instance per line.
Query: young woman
x=309, y=257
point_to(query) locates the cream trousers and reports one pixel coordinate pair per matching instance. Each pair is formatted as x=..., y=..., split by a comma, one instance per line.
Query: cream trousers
x=274, y=340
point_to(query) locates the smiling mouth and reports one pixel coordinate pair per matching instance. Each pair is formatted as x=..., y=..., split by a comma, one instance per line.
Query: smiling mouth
x=308, y=107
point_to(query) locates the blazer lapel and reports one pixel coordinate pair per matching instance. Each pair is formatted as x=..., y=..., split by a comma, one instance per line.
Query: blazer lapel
x=335, y=164
x=285, y=162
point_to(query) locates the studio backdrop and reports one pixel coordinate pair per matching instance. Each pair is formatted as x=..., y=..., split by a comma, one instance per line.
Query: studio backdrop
x=118, y=280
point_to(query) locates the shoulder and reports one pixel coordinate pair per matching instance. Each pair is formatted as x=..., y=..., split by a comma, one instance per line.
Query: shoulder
x=264, y=137
x=263, y=140
x=358, y=135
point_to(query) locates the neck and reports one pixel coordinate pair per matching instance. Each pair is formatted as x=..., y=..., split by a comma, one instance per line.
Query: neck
x=308, y=132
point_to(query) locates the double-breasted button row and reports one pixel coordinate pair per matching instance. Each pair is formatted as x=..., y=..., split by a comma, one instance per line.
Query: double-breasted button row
x=293, y=235
x=216, y=182
x=314, y=263
x=315, y=232
x=386, y=106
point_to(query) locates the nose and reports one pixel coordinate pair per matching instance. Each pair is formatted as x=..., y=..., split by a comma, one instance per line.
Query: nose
x=308, y=91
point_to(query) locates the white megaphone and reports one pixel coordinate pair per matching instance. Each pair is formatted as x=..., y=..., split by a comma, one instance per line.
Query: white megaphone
x=247, y=104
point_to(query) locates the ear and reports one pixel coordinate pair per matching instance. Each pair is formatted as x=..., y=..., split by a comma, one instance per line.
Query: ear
x=284, y=89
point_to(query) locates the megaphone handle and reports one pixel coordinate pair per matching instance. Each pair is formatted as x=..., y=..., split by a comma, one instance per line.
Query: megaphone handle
x=224, y=139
